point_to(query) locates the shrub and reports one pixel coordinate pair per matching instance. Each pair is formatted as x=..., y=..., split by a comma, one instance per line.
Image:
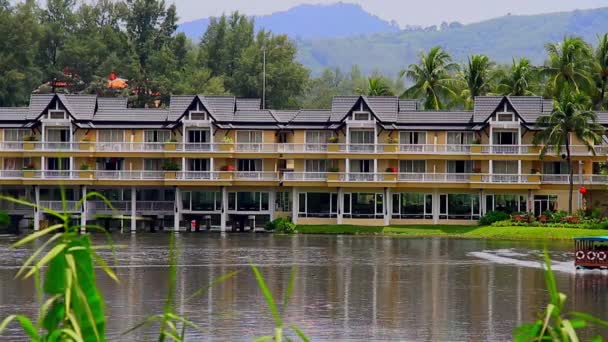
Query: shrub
x=281, y=225
x=333, y=140
x=493, y=216
x=558, y=216
x=170, y=165
x=334, y=169
x=85, y=167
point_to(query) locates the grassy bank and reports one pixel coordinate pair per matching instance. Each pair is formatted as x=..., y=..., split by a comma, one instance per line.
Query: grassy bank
x=486, y=232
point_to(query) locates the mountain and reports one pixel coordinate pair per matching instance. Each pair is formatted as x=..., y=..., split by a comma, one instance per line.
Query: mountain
x=310, y=22
x=501, y=39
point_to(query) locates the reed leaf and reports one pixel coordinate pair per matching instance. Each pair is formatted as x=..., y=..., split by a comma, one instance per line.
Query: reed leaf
x=36, y=235
x=58, y=249
x=268, y=296
x=26, y=325
x=35, y=255
x=300, y=333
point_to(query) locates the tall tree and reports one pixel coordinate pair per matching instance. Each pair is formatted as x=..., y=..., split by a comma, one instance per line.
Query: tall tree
x=570, y=119
x=432, y=78
x=58, y=21
x=519, y=80
x=19, y=73
x=150, y=26
x=376, y=86
x=285, y=77
x=568, y=64
x=600, y=71
x=476, y=79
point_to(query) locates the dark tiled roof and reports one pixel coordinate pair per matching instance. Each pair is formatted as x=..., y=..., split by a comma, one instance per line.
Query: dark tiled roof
x=435, y=117
x=220, y=107
x=38, y=103
x=602, y=117
x=132, y=115
x=310, y=116
x=284, y=116
x=528, y=107
x=83, y=106
x=341, y=105
x=384, y=107
x=257, y=116
x=408, y=105
x=248, y=104
x=13, y=113
x=112, y=102
x=178, y=105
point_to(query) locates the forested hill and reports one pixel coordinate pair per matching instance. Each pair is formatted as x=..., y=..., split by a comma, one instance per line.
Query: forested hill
x=309, y=22
x=501, y=39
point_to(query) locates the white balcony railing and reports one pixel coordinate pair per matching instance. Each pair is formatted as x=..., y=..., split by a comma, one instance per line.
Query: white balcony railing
x=505, y=178
x=434, y=177
x=61, y=206
x=128, y=175
x=305, y=176
x=256, y=175
x=256, y=148
x=198, y=175
x=303, y=148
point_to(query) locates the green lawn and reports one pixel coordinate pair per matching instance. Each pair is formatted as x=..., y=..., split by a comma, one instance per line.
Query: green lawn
x=486, y=232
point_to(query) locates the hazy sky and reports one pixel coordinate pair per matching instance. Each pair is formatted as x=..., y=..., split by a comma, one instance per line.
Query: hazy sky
x=404, y=12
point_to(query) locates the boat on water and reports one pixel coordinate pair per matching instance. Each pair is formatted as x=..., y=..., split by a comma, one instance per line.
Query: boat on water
x=591, y=252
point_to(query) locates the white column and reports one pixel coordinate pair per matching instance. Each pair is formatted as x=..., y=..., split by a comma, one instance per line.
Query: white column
x=37, y=213
x=211, y=165
x=133, y=209
x=224, y=212
x=482, y=202
x=376, y=169
x=436, y=206
x=177, y=212
x=272, y=202
x=294, y=205
x=340, y=206
x=347, y=165
x=183, y=168
x=491, y=138
x=530, y=202
x=387, y=206
x=84, y=209
x=42, y=166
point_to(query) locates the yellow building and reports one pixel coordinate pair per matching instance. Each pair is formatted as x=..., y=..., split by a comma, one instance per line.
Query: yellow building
x=224, y=162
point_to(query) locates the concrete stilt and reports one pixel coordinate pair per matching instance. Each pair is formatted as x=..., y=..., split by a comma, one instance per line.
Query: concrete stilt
x=294, y=205
x=224, y=212
x=133, y=209
x=387, y=206
x=340, y=206
x=178, y=204
x=84, y=210
x=37, y=212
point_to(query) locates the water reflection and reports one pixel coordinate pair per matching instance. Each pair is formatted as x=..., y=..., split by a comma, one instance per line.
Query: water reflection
x=347, y=288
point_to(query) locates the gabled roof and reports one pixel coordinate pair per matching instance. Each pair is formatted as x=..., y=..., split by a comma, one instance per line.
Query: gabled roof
x=220, y=107
x=529, y=108
x=112, y=102
x=257, y=116
x=312, y=116
x=408, y=105
x=38, y=103
x=82, y=106
x=602, y=117
x=384, y=108
x=284, y=116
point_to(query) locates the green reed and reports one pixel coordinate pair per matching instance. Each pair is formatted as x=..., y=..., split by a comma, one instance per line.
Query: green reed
x=554, y=324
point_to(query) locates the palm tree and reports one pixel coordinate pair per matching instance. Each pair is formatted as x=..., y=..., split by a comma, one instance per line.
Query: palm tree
x=376, y=86
x=519, y=80
x=568, y=64
x=600, y=71
x=432, y=78
x=570, y=118
x=476, y=78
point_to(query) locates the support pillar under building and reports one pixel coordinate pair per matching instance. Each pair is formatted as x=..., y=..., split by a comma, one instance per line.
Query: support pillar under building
x=178, y=212
x=83, y=211
x=133, y=210
x=224, y=213
x=37, y=213
x=294, y=205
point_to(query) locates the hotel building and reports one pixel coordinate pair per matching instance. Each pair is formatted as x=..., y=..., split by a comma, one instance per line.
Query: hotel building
x=225, y=162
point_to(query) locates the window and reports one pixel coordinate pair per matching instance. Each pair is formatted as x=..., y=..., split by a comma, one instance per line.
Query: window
x=248, y=201
x=58, y=164
x=198, y=164
x=460, y=138
x=504, y=117
x=249, y=137
x=111, y=135
x=57, y=115
x=318, y=137
x=459, y=206
x=412, y=166
x=506, y=203
x=505, y=167
x=316, y=165
x=361, y=137
x=317, y=204
x=54, y=194
x=505, y=138
x=283, y=201
x=57, y=135
x=556, y=168
x=198, y=116
x=544, y=203
x=157, y=136
x=153, y=164
x=365, y=205
x=249, y=165
x=361, y=116
x=361, y=166
x=412, y=206
x=460, y=166
x=412, y=138
x=16, y=134
x=198, y=135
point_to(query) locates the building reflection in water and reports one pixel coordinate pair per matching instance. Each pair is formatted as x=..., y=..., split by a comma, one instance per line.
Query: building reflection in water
x=347, y=288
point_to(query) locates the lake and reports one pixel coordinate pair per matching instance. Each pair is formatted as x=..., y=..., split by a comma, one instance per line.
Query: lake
x=349, y=288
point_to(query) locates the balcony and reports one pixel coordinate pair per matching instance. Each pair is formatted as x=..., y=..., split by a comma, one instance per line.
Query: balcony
x=256, y=176
x=435, y=177
x=305, y=176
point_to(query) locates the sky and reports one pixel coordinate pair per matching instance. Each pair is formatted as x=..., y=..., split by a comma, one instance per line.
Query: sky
x=404, y=12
